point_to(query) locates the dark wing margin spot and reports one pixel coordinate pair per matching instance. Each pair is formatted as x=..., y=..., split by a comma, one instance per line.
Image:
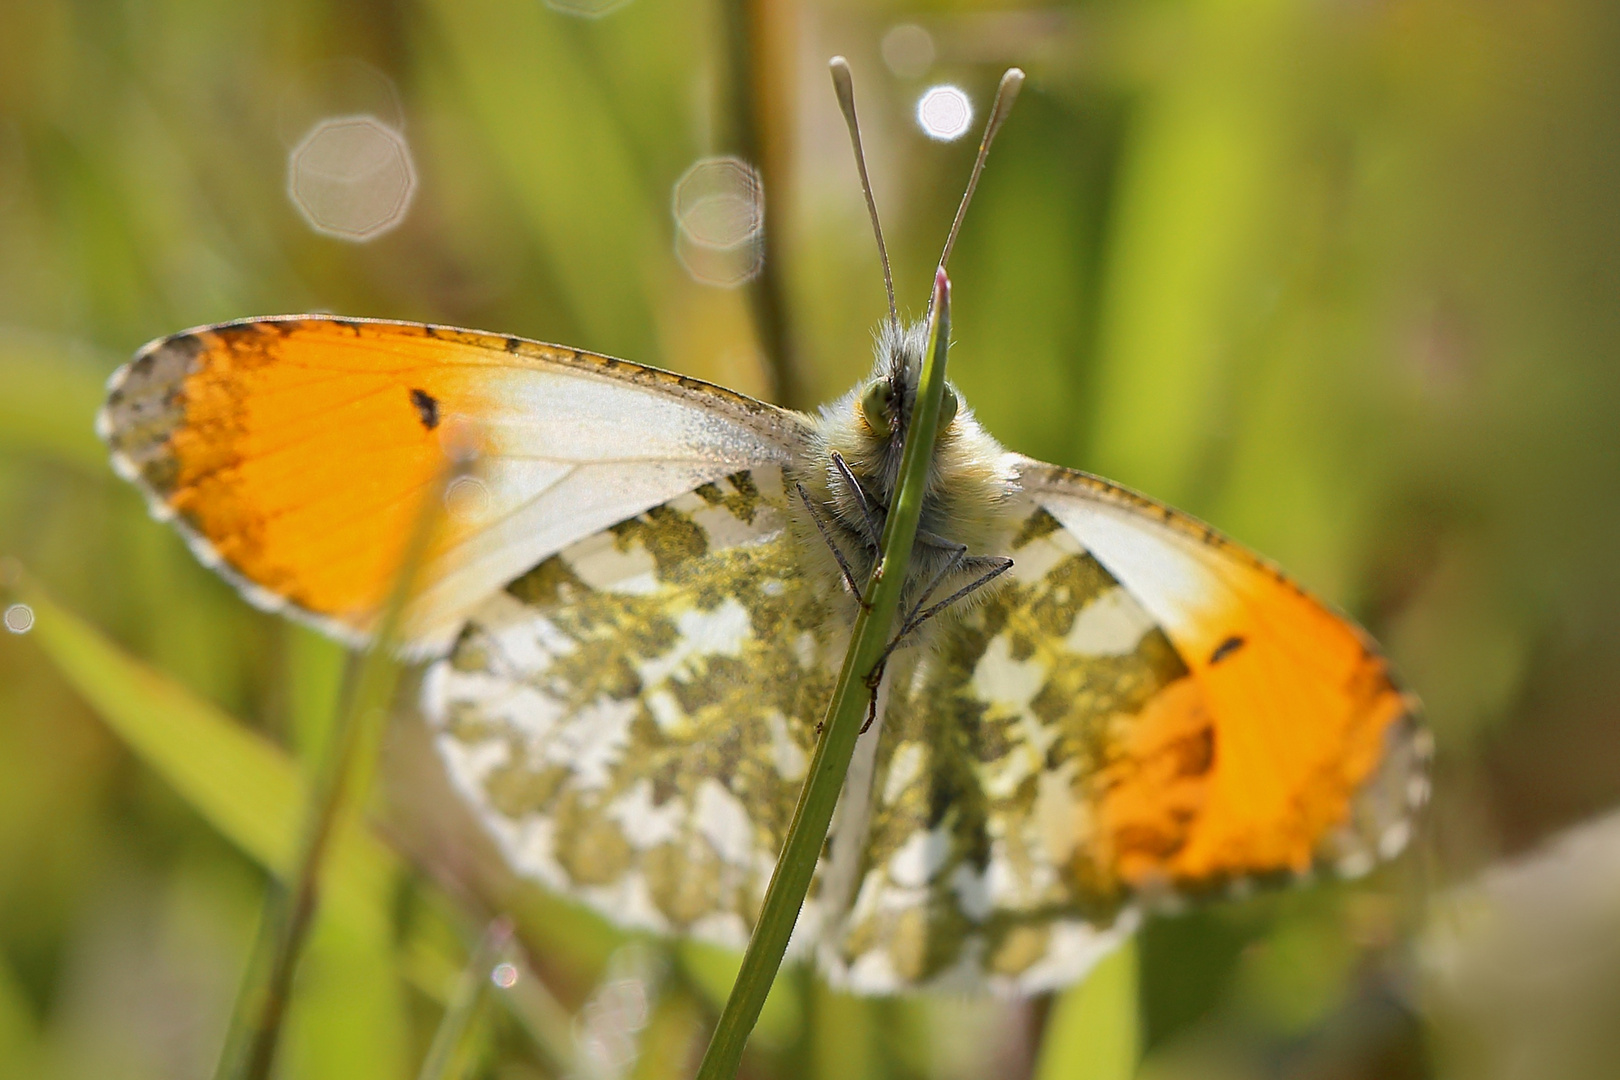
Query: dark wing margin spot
x=427, y=407
x=1226, y=648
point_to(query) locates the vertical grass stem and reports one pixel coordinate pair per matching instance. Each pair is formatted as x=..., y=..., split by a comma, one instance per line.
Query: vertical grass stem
x=445, y=1058
x=345, y=770
x=845, y=712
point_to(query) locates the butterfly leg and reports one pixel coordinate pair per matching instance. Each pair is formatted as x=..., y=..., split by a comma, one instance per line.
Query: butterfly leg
x=821, y=527
x=958, y=556
x=998, y=565
x=874, y=527
x=872, y=682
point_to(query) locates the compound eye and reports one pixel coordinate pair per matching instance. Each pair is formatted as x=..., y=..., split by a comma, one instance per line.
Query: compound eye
x=877, y=405
x=947, y=410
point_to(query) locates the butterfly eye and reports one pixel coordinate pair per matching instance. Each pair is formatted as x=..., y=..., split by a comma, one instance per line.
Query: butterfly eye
x=877, y=405
x=947, y=410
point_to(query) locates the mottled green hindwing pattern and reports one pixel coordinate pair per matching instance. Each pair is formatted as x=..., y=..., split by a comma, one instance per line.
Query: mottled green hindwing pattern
x=976, y=865
x=633, y=718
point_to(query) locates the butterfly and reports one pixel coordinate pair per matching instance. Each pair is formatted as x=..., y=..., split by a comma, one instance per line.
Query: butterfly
x=634, y=606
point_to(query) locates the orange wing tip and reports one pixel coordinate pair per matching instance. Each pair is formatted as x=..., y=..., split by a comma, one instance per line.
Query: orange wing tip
x=265, y=600
x=1409, y=752
x=269, y=602
x=205, y=552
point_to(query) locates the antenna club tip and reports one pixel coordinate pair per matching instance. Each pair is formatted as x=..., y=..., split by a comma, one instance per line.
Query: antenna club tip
x=843, y=82
x=1013, y=75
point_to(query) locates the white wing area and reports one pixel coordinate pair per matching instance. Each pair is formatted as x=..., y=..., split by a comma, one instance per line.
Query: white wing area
x=567, y=453
x=292, y=450
x=1164, y=570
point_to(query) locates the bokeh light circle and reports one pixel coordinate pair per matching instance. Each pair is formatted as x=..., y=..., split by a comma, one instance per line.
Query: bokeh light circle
x=467, y=499
x=908, y=50
x=19, y=618
x=944, y=112
x=719, y=210
x=351, y=177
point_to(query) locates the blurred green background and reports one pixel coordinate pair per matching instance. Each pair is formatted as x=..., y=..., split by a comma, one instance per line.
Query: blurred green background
x=1341, y=276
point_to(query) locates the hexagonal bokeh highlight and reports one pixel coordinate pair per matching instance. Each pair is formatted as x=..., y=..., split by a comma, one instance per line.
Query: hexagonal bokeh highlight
x=944, y=113
x=719, y=210
x=351, y=177
x=19, y=618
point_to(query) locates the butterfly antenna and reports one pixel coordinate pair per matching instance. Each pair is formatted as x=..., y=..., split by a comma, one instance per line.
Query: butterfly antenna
x=844, y=87
x=1006, y=94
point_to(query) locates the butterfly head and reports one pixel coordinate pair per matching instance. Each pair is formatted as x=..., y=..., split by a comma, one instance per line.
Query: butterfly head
x=885, y=406
x=868, y=427
x=850, y=470
x=970, y=483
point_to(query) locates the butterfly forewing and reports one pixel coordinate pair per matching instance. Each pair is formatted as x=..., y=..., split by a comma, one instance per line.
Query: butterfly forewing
x=633, y=717
x=294, y=454
x=1316, y=755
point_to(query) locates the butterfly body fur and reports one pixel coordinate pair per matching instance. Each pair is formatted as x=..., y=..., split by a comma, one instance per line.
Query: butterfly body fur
x=967, y=503
x=636, y=623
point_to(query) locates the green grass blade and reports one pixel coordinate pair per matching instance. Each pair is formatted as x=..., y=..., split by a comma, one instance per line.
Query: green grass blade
x=21, y=1040
x=544, y=1019
x=712, y=972
x=808, y=830
x=550, y=127
x=1094, y=1033
x=251, y=792
x=51, y=386
x=346, y=768
x=241, y=783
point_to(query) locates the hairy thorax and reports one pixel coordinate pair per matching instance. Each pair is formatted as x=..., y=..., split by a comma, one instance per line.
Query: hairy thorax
x=860, y=438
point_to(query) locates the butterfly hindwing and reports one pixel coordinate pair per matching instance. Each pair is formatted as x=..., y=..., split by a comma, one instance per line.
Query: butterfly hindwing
x=1086, y=738
x=633, y=718
x=989, y=853
x=1315, y=755
x=294, y=452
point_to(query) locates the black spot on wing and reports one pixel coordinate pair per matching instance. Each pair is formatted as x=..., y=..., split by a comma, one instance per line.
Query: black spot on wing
x=1226, y=648
x=427, y=407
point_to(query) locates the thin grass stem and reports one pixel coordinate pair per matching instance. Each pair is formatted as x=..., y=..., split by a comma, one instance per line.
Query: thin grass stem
x=445, y=1059
x=345, y=770
x=845, y=712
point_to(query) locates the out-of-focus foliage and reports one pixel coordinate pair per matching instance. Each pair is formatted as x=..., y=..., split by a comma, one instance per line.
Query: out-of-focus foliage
x=1342, y=276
